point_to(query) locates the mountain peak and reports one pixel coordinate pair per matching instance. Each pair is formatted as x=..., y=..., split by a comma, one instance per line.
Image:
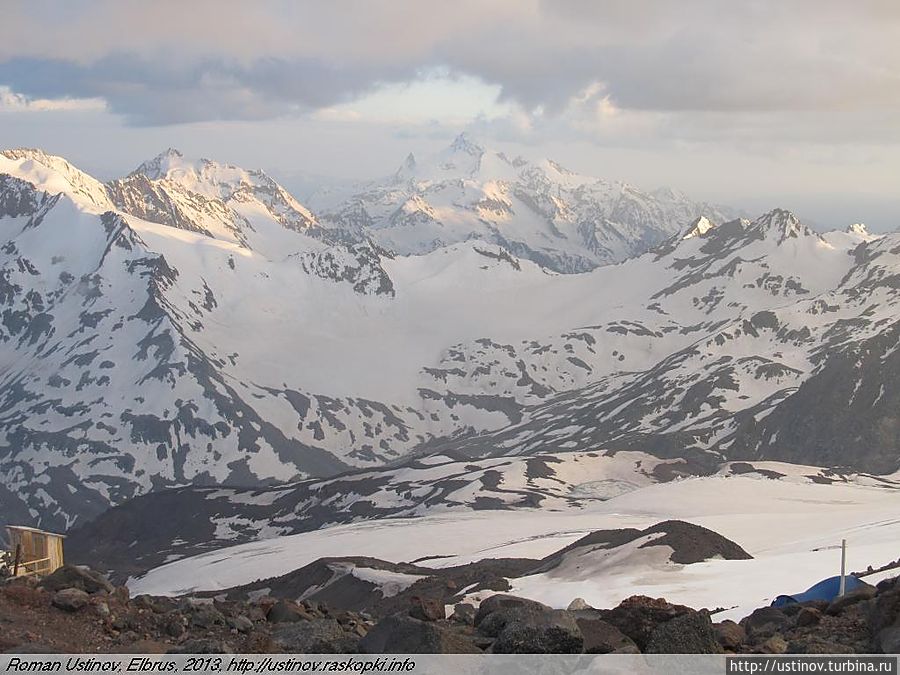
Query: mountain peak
x=159, y=166
x=465, y=143
x=858, y=228
x=58, y=175
x=781, y=223
x=699, y=227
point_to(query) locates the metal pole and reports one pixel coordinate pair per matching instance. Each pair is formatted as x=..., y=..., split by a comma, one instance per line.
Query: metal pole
x=843, y=567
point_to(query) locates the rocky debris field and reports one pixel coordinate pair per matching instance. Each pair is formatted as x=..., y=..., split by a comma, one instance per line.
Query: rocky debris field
x=78, y=610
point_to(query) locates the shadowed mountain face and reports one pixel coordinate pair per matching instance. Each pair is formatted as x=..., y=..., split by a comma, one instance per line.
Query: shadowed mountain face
x=194, y=324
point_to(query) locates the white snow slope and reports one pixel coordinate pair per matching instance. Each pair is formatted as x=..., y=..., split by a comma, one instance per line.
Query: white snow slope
x=791, y=525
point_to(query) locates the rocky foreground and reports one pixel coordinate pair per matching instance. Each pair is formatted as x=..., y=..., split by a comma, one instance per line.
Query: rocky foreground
x=78, y=610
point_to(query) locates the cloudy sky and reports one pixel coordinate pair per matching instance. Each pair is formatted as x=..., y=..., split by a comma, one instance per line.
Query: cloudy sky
x=755, y=103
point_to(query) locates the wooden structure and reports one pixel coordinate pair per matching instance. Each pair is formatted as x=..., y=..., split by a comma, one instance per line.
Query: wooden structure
x=34, y=552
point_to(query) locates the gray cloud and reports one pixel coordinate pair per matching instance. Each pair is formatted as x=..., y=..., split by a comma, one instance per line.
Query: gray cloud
x=163, y=63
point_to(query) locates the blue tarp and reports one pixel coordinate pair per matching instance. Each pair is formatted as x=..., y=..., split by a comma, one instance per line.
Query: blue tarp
x=827, y=590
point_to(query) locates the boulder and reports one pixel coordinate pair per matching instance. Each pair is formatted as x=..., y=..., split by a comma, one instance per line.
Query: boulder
x=730, y=635
x=532, y=632
x=638, y=616
x=240, y=623
x=858, y=594
x=207, y=617
x=808, y=616
x=884, y=610
x=400, y=634
x=82, y=578
x=319, y=636
x=601, y=637
x=772, y=645
x=887, y=584
x=687, y=634
x=764, y=622
x=427, y=609
x=888, y=640
x=578, y=604
x=464, y=613
x=70, y=599
x=504, y=603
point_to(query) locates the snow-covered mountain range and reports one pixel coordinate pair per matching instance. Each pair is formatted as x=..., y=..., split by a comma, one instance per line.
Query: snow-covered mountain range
x=192, y=322
x=539, y=211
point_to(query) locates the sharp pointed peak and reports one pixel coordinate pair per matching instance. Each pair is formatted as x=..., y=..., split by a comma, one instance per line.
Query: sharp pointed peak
x=783, y=224
x=157, y=167
x=699, y=227
x=778, y=216
x=465, y=143
x=860, y=229
x=407, y=169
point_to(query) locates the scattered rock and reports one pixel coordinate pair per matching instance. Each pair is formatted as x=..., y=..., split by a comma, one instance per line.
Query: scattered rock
x=70, y=599
x=153, y=604
x=287, y=612
x=82, y=578
x=240, y=623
